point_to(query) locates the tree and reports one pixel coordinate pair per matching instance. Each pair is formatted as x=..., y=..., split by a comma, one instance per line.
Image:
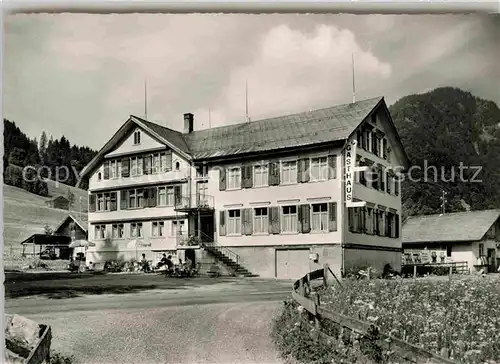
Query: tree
x=42, y=146
x=48, y=229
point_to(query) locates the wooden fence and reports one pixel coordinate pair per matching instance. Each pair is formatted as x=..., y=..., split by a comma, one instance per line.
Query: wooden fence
x=304, y=295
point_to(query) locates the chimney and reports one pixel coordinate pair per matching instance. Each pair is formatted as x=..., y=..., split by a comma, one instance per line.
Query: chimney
x=188, y=123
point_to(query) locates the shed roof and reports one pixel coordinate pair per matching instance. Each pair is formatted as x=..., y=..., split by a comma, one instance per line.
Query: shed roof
x=452, y=227
x=82, y=222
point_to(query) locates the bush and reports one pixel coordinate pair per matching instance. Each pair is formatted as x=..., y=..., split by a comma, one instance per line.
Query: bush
x=298, y=340
x=58, y=358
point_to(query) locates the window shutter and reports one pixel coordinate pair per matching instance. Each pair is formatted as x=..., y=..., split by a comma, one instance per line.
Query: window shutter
x=145, y=197
x=274, y=173
x=332, y=216
x=106, y=170
x=168, y=166
x=222, y=179
x=332, y=166
x=125, y=167
x=123, y=199
x=274, y=217
x=396, y=226
x=113, y=201
x=177, y=195
x=304, y=218
x=388, y=178
x=350, y=217
x=247, y=176
x=222, y=223
x=396, y=185
x=152, y=197
x=301, y=171
x=92, y=203
x=246, y=221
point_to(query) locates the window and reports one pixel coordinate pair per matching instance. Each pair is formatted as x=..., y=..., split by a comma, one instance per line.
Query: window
x=158, y=228
x=260, y=175
x=136, y=230
x=137, y=137
x=100, y=202
x=117, y=232
x=163, y=162
x=155, y=168
x=177, y=166
x=100, y=231
x=99, y=176
x=289, y=219
x=140, y=198
x=131, y=199
x=201, y=193
x=319, y=169
x=177, y=227
x=136, y=164
x=107, y=202
x=319, y=217
x=115, y=169
x=368, y=140
x=389, y=225
x=234, y=178
x=289, y=172
x=481, y=249
x=234, y=222
x=369, y=221
x=260, y=220
x=201, y=171
x=376, y=146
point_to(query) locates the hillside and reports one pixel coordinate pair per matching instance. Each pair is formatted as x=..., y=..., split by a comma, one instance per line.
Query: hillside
x=26, y=213
x=445, y=128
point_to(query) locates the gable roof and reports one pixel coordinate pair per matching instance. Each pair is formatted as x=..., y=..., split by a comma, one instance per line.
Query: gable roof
x=306, y=128
x=459, y=226
x=81, y=222
x=332, y=124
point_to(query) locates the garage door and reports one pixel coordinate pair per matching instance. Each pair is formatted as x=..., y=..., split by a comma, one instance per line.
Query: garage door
x=292, y=263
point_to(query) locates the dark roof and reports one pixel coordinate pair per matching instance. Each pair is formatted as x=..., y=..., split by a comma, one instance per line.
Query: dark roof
x=459, y=226
x=44, y=239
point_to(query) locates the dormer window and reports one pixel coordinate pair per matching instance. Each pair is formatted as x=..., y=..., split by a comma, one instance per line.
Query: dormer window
x=177, y=166
x=137, y=137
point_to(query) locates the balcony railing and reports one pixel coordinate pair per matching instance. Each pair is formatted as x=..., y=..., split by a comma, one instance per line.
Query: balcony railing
x=195, y=202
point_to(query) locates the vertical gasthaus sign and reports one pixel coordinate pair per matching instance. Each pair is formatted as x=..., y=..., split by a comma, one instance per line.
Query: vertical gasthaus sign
x=349, y=169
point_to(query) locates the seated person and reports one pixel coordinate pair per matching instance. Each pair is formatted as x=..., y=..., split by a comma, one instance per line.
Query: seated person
x=169, y=264
x=144, y=263
x=163, y=261
x=188, y=265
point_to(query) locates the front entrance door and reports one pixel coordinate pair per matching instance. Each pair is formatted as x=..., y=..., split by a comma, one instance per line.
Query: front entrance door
x=189, y=253
x=492, y=260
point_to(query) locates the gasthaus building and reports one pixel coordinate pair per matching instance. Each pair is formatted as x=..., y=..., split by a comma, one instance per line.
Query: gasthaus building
x=279, y=197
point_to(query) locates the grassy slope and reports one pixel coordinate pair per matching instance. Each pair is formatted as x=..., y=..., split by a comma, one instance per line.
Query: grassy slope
x=25, y=213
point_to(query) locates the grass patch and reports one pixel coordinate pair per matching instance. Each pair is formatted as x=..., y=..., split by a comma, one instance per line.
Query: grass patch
x=460, y=318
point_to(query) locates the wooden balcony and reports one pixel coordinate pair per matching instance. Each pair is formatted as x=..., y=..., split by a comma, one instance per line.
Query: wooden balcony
x=194, y=203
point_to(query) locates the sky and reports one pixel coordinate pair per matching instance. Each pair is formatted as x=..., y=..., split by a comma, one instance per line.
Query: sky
x=81, y=75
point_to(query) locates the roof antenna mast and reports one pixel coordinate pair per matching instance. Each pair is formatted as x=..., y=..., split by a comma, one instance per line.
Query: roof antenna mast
x=145, y=99
x=247, y=118
x=353, y=82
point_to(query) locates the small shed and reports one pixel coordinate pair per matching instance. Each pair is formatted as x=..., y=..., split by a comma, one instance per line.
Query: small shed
x=59, y=202
x=469, y=236
x=37, y=243
x=70, y=229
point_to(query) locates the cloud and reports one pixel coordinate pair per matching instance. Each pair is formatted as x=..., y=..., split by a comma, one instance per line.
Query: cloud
x=292, y=71
x=82, y=75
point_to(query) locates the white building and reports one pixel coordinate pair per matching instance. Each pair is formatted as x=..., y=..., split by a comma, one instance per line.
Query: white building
x=267, y=194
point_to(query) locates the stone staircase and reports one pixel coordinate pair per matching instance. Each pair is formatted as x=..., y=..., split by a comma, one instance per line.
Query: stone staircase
x=228, y=258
